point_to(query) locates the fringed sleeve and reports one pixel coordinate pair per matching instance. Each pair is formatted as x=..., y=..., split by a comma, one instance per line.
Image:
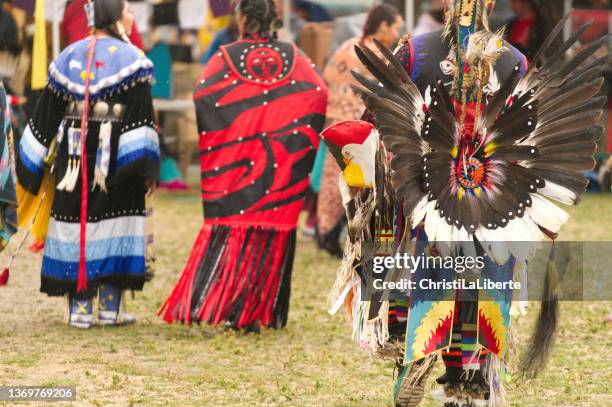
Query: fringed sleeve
x=36, y=139
x=138, y=151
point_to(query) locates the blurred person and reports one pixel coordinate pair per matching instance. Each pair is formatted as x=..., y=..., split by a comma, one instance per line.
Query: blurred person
x=10, y=49
x=222, y=37
x=311, y=12
x=260, y=106
x=527, y=30
x=384, y=24
x=91, y=217
x=8, y=197
x=10, y=45
x=430, y=20
x=302, y=12
x=74, y=25
x=10, y=75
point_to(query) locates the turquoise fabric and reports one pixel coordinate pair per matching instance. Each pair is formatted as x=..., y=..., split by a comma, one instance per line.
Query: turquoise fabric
x=169, y=171
x=160, y=55
x=317, y=170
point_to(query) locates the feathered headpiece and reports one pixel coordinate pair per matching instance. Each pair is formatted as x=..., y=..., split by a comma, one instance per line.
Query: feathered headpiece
x=474, y=48
x=472, y=15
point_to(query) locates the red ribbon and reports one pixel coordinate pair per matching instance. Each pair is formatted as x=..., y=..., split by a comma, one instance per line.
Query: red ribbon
x=82, y=277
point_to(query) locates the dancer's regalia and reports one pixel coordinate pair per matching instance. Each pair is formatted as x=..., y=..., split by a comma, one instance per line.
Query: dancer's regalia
x=122, y=150
x=260, y=106
x=478, y=144
x=8, y=197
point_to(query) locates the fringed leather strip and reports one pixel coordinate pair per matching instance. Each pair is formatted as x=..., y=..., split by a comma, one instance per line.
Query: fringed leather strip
x=492, y=371
x=103, y=156
x=345, y=278
x=375, y=331
x=234, y=274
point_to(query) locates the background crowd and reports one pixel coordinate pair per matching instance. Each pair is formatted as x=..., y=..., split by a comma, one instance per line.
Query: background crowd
x=180, y=36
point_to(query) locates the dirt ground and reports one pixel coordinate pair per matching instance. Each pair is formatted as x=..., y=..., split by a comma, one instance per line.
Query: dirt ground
x=311, y=363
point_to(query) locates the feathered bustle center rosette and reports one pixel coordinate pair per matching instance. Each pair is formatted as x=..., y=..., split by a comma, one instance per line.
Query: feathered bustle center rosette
x=529, y=141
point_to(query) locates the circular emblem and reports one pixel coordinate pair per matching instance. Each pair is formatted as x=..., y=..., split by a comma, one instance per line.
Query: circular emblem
x=471, y=173
x=264, y=63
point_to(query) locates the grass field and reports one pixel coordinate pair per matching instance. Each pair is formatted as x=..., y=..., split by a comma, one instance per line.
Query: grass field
x=311, y=363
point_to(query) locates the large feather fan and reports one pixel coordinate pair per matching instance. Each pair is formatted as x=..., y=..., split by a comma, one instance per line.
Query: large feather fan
x=532, y=142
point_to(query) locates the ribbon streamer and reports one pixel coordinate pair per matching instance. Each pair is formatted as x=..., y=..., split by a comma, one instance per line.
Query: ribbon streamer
x=82, y=276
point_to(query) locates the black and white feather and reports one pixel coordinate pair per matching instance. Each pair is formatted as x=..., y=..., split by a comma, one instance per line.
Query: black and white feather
x=531, y=145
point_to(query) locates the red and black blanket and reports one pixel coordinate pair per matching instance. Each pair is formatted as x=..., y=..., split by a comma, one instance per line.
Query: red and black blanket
x=260, y=106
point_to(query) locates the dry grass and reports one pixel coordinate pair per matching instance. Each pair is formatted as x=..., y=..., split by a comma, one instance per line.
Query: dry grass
x=311, y=363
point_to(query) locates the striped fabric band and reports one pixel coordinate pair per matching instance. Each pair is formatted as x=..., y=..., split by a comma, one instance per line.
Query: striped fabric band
x=125, y=226
x=32, y=152
x=114, y=246
x=95, y=269
x=125, y=246
x=142, y=142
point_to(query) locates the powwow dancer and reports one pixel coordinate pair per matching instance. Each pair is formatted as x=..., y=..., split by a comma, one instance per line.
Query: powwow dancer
x=8, y=197
x=478, y=145
x=260, y=106
x=96, y=110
